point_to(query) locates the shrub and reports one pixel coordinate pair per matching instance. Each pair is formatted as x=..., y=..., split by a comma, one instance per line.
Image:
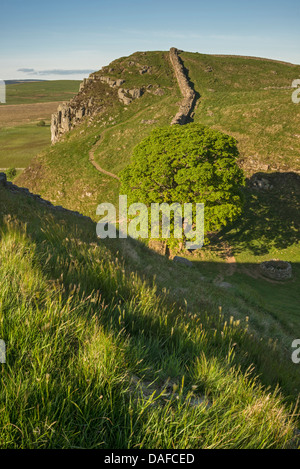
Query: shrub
x=11, y=173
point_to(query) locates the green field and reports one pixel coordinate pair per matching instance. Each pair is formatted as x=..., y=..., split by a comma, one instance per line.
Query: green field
x=21, y=139
x=18, y=145
x=41, y=92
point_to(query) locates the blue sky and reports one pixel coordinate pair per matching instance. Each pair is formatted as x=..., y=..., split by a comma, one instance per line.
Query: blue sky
x=69, y=39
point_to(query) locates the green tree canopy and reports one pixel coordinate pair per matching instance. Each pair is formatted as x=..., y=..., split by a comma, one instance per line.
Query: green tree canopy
x=190, y=163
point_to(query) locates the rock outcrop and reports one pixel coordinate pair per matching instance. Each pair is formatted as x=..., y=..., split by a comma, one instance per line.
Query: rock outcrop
x=189, y=95
x=70, y=114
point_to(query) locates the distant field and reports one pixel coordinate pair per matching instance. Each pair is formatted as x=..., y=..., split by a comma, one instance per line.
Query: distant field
x=27, y=104
x=41, y=92
x=19, y=144
x=14, y=115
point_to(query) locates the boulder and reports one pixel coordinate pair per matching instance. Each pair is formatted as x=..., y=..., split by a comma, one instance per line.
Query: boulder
x=183, y=261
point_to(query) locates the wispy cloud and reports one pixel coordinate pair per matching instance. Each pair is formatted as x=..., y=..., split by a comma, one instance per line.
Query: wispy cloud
x=32, y=71
x=26, y=70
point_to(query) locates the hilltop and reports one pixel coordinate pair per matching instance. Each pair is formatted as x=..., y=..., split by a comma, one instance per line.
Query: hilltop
x=119, y=105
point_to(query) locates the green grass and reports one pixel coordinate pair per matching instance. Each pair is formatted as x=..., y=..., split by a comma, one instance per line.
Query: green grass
x=19, y=144
x=251, y=100
x=118, y=141
x=269, y=227
x=86, y=334
x=56, y=170
x=41, y=92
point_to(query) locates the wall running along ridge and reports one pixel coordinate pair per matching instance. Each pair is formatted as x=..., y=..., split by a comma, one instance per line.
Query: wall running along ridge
x=189, y=95
x=71, y=113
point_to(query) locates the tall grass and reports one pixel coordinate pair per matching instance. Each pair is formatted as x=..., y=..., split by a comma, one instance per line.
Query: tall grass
x=79, y=328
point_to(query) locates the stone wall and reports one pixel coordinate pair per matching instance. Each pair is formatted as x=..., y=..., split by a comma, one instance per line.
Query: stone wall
x=276, y=270
x=188, y=93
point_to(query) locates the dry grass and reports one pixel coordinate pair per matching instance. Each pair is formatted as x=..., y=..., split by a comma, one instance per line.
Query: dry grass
x=18, y=114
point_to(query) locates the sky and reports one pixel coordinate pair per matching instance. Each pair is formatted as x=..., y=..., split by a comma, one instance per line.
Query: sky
x=71, y=39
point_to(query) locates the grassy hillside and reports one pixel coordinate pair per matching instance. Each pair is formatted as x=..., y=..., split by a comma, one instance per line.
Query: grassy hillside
x=55, y=172
x=250, y=99
x=269, y=227
x=243, y=97
x=98, y=356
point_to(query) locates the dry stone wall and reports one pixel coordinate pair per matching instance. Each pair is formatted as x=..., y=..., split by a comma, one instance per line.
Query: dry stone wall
x=188, y=93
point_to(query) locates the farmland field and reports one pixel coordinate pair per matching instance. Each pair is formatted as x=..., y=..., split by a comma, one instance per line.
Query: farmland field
x=41, y=92
x=28, y=104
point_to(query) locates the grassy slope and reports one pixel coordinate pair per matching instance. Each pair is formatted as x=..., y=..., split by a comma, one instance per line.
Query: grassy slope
x=251, y=100
x=55, y=172
x=86, y=334
x=269, y=226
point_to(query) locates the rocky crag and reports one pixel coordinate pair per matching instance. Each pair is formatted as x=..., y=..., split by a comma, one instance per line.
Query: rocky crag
x=94, y=90
x=70, y=114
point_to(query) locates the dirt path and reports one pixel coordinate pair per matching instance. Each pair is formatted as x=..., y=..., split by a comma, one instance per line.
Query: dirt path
x=96, y=165
x=231, y=261
x=97, y=144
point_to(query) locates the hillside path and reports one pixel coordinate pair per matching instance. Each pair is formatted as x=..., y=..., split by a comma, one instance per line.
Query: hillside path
x=96, y=165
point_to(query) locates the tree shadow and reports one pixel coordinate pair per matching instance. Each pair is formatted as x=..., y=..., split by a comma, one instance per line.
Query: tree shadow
x=271, y=216
x=55, y=233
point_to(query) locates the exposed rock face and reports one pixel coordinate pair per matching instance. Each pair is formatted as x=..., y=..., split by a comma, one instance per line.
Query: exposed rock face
x=66, y=117
x=127, y=96
x=70, y=114
x=188, y=93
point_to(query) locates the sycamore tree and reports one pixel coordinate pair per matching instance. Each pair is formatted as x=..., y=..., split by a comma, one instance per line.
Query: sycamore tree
x=187, y=164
